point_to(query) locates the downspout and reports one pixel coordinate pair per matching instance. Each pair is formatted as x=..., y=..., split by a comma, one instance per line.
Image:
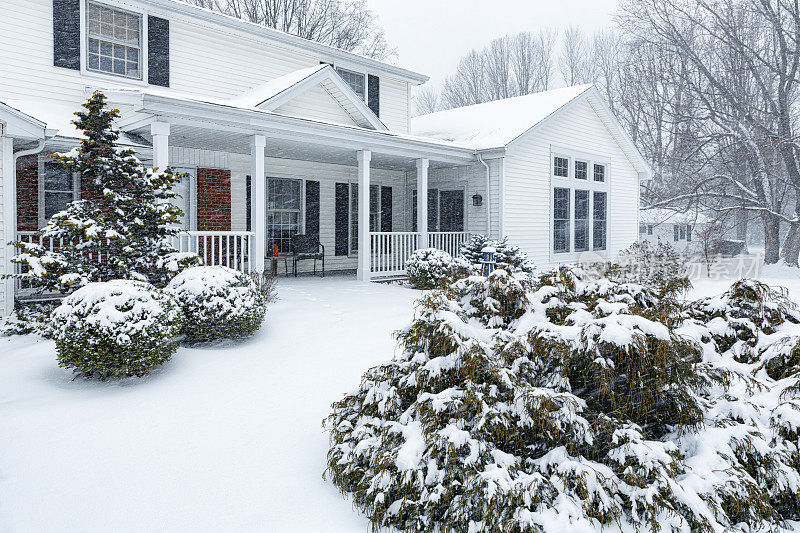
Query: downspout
x=488, y=197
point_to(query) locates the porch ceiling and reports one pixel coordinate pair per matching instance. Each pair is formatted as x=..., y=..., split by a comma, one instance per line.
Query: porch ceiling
x=188, y=136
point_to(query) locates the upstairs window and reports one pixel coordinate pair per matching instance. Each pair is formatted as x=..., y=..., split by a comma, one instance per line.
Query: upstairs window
x=114, y=41
x=355, y=80
x=581, y=170
x=561, y=167
x=599, y=172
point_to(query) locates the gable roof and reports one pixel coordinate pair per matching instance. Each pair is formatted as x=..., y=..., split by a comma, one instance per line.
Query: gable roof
x=271, y=95
x=494, y=124
x=18, y=124
x=499, y=123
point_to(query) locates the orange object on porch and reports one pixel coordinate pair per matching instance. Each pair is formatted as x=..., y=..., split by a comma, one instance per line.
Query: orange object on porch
x=275, y=252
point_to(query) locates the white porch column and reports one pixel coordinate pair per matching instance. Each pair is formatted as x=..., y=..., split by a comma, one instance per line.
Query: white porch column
x=160, y=133
x=258, y=211
x=364, y=252
x=422, y=203
x=9, y=218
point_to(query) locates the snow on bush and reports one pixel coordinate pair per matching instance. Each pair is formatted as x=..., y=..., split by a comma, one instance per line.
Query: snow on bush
x=218, y=302
x=566, y=403
x=507, y=256
x=643, y=262
x=116, y=328
x=429, y=268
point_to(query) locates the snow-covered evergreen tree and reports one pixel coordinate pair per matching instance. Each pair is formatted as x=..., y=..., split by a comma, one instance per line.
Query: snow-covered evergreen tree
x=121, y=229
x=565, y=403
x=507, y=256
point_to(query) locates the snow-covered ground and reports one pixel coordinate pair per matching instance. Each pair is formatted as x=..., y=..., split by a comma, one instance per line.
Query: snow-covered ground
x=221, y=438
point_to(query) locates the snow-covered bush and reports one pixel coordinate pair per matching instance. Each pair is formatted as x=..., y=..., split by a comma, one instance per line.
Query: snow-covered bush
x=564, y=403
x=218, y=302
x=648, y=264
x=507, y=256
x=116, y=328
x=429, y=268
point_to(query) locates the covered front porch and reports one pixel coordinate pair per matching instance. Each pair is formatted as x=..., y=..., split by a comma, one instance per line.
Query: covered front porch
x=289, y=176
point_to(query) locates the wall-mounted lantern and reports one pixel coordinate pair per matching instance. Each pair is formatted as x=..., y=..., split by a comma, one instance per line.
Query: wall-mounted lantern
x=477, y=200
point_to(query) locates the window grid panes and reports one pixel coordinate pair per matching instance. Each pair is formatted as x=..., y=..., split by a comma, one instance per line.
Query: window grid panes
x=599, y=212
x=59, y=189
x=599, y=172
x=561, y=216
x=114, y=41
x=353, y=218
x=355, y=80
x=581, y=220
x=581, y=170
x=561, y=167
x=284, y=198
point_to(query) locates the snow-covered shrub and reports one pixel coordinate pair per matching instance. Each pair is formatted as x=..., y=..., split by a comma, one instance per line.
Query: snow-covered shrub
x=647, y=264
x=507, y=256
x=29, y=318
x=563, y=403
x=266, y=285
x=429, y=268
x=218, y=302
x=116, y=328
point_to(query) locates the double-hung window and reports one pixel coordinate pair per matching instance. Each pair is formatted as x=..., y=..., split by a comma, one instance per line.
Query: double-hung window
x=59, y=189
x=355, y=80
x=561, y=218
x=599, y=222
x=374, y=213
x=114, y=41
x=284, y=199
x=581, y=220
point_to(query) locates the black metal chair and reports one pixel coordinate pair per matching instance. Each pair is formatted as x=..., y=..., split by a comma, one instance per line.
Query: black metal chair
x=307, y=247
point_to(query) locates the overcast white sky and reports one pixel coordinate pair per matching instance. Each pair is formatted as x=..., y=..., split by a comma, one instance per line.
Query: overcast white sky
x=432, y=35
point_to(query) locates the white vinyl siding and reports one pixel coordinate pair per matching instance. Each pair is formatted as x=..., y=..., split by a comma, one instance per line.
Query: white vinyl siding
x=205, y=60
x=527, y=211
x=317, y=104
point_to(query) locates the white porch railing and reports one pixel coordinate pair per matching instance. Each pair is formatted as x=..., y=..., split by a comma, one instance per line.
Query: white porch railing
x=228, y=248
x=390, y=250
x=449, y=241
x=232, y=249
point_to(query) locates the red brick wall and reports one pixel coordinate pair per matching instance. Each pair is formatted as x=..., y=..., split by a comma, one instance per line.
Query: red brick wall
x=213, y=199
x=28, y=193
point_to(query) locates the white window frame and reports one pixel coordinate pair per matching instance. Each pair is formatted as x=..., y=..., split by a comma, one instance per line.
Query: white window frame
x=102, y=75
x=76, y=189
x=337, y=68
x=301, y=226
x=573, y=184
x=351, y=239
x=192, y=214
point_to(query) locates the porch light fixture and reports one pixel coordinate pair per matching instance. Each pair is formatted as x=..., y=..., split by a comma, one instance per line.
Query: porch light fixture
x=477, y=200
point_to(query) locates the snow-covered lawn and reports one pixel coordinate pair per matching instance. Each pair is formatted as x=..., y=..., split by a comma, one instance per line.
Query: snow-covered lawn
x=221, y=438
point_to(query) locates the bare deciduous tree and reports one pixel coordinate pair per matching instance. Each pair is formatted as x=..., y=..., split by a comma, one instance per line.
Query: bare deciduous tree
x=426, y=100
x=346, y=24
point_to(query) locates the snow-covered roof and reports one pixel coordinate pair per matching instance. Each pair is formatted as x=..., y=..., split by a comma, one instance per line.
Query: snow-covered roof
x=660, y=215
x=261, y=93
x=494, y=124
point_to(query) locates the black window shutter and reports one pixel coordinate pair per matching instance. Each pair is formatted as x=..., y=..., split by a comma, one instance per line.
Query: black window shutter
x=386, y=209
x=67, y=34
x=158, y=51
x=312, y=208
x=341, y=219
x=249, y=203
x=374, y=94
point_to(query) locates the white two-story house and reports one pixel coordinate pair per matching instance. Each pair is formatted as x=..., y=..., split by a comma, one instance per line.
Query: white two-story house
x=283, y=136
